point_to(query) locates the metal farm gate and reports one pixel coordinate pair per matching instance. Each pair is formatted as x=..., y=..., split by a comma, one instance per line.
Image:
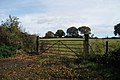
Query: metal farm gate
x=63, y=46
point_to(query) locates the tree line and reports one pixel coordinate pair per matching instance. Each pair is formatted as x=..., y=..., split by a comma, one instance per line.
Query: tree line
x=72, y=32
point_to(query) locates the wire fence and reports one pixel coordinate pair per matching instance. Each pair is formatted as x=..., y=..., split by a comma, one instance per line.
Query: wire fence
x=101, y=46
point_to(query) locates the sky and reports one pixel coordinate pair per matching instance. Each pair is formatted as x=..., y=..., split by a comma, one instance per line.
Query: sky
x=40, y=16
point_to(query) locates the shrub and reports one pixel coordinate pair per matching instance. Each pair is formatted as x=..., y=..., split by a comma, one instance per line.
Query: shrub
x=7, y=51
x=114, y=58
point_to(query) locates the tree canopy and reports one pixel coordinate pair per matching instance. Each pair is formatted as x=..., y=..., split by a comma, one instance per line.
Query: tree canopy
x=11, y=30
x=117, y=29
x=59, y=33
x=72, y=32
x=84, y=30
x=49, y=34
x=11, y=21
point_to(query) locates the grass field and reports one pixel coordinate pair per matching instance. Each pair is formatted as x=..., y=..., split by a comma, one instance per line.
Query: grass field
x=99, y=45
x=49, y=66
x=66, y=46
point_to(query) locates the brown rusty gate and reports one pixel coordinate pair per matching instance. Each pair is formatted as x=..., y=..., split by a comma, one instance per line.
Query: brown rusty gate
x=63, y=46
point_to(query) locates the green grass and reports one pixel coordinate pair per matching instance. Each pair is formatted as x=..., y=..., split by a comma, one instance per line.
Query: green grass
x=99, y=45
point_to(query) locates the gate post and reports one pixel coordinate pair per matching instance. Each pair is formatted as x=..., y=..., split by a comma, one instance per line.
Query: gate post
x=106, y=47
x=86, y=44
x=37, y=44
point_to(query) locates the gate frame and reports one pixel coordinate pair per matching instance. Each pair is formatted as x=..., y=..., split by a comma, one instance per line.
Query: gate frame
x=85, y=44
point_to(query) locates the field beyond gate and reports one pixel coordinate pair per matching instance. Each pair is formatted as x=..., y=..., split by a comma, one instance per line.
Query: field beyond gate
x=62, y=46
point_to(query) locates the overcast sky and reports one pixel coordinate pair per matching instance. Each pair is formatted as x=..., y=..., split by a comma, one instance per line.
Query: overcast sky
x=40, y=16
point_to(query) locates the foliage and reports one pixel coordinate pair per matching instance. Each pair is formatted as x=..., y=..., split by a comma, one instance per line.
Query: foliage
x=111, y=62
x=72, y=32
x=60, y=33
x=11, y=22
x=112, y=59
x=7, y=51
x=28, y=42
x=12, y=34
x=49, y=34
x=84, y=30
x=117, y=29
x=11, y=31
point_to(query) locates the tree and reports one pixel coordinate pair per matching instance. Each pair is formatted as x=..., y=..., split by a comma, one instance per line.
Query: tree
x=12, y=30
x=11, y=34
x=117, y=29
x=49, y=34
x=12, y=21
x=72, y=32
x=60, y=33
x=84, y=30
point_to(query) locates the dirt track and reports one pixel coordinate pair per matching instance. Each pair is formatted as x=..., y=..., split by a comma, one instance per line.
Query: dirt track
x=8, y=64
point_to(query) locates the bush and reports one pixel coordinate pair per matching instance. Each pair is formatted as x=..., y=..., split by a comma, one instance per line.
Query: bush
x=114, y=59
x=7, y=51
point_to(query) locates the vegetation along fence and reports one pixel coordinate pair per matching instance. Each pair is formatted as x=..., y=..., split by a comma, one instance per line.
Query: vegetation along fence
x=102, y=46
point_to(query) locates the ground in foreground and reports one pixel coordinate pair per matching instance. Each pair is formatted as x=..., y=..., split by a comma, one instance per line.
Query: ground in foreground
x=49, y=67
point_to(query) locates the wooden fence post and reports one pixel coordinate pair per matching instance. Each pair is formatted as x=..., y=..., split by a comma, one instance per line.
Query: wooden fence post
x=58, y=46
x=37, y=44
x=106, y=47
x=86, y=44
